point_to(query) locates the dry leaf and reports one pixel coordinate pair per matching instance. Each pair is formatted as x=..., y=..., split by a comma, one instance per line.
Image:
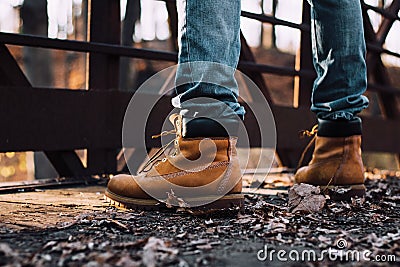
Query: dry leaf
x=172, y=200
x=305, y=198
x=156, y=249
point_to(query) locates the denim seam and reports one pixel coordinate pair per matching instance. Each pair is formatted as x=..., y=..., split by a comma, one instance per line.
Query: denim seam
x=314, y=36
x=188, y=43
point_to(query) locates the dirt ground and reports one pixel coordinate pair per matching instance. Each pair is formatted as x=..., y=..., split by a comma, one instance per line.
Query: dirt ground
x=76, y=227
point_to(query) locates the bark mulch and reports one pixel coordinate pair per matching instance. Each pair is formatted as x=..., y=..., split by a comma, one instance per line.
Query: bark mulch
x=76, y=228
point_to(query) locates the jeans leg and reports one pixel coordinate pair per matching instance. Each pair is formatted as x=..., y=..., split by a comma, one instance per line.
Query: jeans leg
x=339, y=59
x=209, y=31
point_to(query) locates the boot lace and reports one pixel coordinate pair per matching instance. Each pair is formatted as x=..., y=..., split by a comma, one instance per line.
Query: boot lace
x=313, y=134
x=155, y=158
x=303, y=134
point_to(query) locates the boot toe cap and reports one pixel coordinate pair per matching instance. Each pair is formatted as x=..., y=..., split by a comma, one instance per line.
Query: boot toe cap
x=300, y=175
x=125, y=185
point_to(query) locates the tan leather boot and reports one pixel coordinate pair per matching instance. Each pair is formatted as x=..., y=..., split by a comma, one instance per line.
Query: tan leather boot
x=336, y=164
x=203, y=174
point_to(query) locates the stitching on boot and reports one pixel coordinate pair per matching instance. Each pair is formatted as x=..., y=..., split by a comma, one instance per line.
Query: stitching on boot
x=225, y=178
x=179, y=173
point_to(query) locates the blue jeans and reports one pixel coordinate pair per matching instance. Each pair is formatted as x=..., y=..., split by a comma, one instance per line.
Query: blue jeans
x=209, y=31
x=338, y=47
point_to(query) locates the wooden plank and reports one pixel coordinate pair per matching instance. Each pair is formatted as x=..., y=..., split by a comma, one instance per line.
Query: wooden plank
x=173, y=23
x=10, y=72
x=110, y=49
x=66, y=163
x=303, y=86
x=306, y=63
x=134, y=160
x=75, y=128
x=57, y=119
x=387, y=22
x=104, y=27
x=376, y=68
x=49, y=209
x=384, y=12
x=275, y=21
x=247, y=55
x=103, y=72
x=63, y=182
x=81, y=46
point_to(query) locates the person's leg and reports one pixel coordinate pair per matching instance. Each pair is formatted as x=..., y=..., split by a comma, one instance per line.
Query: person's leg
x=339, y=59
x=204, y=169
x=209, y=49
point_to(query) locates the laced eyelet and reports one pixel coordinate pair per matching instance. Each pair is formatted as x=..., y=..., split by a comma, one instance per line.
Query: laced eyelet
x=164, y=160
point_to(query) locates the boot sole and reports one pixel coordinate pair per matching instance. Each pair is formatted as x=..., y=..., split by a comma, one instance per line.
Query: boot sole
x=344, y=192
x=230, y=202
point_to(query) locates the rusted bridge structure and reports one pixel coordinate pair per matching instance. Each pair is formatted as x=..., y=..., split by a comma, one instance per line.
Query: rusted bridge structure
x=59, y=121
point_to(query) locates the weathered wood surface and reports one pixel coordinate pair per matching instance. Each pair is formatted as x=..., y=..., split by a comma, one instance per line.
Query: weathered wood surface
x=49, y=208
x=60, y=207
x=75, y=227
